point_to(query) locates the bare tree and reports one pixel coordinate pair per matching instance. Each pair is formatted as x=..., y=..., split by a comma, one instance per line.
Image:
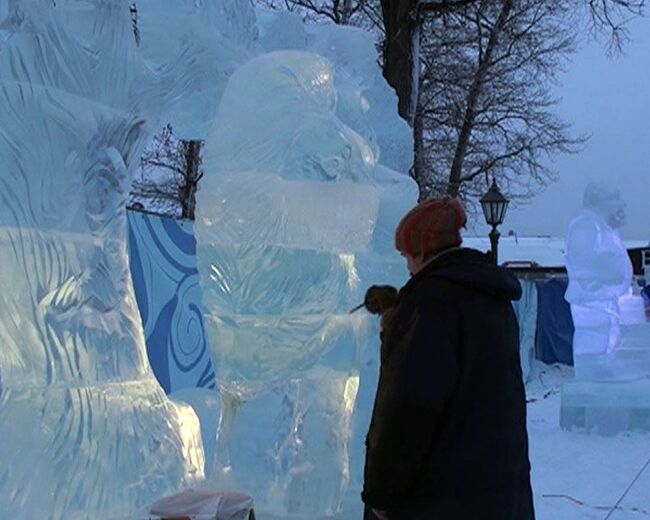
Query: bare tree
x=168, y=176
x=484, y=104
x=612, y=16
x=360, y=13
x=404, y=19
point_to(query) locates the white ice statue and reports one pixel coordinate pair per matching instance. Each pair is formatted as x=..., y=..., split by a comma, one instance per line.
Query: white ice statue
x=600, y=273
x=85, y=429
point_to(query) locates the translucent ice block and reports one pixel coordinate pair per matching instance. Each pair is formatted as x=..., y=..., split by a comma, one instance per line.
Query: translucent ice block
x=86, y=430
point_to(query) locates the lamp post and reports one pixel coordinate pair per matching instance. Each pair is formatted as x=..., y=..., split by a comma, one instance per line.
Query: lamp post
x=494, y=206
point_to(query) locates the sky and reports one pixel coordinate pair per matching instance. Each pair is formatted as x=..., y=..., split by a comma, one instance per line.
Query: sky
x=607, y=98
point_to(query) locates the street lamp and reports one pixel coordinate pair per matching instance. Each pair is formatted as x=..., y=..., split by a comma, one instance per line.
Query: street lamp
x=494, y=206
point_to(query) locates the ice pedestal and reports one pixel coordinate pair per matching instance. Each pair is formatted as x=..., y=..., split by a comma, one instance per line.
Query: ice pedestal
x=616, y=397
x=606, y=408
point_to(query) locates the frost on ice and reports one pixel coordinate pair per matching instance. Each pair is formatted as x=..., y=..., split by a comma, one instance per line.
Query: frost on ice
x=86, y=430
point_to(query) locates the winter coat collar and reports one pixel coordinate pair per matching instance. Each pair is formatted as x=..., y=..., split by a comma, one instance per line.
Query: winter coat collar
x=467, y=267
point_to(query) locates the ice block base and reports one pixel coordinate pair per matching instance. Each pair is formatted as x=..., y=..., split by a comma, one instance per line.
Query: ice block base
x=606, y=408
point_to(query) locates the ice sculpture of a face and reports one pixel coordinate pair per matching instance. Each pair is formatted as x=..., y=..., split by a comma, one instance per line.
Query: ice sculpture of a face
x=607, y=203
x=277, y=115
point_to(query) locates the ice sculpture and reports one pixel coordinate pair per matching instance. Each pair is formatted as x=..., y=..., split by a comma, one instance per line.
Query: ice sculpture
x=289, y=199
x=365, y=102
x=203, y=42
x=286, y=202
x=600, y=273
x=85, y=429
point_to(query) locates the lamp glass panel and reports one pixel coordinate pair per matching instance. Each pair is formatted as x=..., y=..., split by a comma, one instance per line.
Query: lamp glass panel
x=503, y=206
x=487, y=212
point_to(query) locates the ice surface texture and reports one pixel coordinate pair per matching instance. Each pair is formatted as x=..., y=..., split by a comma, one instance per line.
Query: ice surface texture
x=292, y=199
x=600, y=274
x=86, y=430
x=202, y=42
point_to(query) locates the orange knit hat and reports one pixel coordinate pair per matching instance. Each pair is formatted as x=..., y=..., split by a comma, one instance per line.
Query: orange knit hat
x=432, y=225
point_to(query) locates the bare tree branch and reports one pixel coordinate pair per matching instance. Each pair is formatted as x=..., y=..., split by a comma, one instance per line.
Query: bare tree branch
x=181, y=159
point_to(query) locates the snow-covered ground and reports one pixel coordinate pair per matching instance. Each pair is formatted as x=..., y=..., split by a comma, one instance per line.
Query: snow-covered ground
x=575, y=475
x=578, y=475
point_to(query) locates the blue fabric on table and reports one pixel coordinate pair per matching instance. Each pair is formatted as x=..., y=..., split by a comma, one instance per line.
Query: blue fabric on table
x=554, y=340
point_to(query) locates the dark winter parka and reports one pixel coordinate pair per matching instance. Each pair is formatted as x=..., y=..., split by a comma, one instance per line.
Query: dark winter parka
x=448, y=438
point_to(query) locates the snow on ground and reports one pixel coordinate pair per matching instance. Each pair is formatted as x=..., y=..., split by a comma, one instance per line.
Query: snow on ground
x=575, y=476
x=578, y=475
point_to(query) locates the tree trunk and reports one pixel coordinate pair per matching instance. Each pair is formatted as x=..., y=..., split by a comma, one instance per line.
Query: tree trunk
x=346, y=12
x=472, y=98
x=192, y=156
x=418, y=171
x=400, y=52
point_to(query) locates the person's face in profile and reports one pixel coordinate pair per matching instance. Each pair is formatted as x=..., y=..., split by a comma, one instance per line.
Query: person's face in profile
x=414, y=263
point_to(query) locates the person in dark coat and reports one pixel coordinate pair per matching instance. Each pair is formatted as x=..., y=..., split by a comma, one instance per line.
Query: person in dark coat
x=448, y=438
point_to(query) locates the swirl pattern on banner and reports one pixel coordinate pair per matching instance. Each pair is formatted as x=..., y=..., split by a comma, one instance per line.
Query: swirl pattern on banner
x=163, y=267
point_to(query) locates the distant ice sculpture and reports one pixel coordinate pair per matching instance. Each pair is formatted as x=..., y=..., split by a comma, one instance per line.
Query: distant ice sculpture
x=600, y=273
x=290, y=200
x=85, y=429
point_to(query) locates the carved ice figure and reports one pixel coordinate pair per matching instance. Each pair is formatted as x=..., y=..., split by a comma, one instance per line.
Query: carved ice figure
x=365, y=102
x=600, y=272
x=286, y=202
x=86, y=430
x=295, y=219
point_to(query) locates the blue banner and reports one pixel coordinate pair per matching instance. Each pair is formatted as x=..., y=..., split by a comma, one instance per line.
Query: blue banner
x=163, y=267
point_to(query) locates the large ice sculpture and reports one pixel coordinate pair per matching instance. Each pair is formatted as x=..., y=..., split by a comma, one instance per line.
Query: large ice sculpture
x=600, y=273
x=290, y=199
x=286, y=202
x=85, y=429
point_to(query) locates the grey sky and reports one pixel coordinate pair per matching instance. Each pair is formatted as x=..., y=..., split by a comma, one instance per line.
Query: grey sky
x=608, y=98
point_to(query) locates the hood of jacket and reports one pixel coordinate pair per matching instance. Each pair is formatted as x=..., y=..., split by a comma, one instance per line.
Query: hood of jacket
x=470, y=268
